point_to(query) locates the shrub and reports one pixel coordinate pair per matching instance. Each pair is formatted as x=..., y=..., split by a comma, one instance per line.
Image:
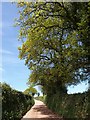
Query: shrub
x=14, y=103
x=70, y=106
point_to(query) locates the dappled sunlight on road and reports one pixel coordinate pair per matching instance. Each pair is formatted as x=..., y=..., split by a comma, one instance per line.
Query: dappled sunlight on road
x=40, y=112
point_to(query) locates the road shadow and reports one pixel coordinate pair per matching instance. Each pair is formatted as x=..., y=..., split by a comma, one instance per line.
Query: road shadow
x=41, y=119
x=55, y=119
x=45, y=111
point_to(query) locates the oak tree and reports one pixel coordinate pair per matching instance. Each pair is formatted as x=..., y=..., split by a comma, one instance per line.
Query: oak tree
x=55, y=42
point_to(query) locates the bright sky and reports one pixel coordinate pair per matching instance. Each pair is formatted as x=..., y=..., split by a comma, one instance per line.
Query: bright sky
x=13, y=70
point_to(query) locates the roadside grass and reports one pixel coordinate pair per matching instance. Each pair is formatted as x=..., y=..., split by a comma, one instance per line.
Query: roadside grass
x=41, y=98
x=70, y=106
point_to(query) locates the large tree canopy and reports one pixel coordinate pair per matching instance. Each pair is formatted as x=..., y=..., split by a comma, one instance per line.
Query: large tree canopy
x=55, y=42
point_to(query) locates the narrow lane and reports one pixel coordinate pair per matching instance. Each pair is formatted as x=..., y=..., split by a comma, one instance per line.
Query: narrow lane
x=40, y=112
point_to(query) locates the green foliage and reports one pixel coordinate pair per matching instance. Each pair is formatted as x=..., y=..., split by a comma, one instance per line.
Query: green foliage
x=38, y=94
x=54, y=42
x=15, y=104
x=70, y=106
x=56, y=47
x=31, y=90
x=41, y=98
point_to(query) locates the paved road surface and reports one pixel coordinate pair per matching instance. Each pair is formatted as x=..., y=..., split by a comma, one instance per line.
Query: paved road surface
x=40, y=112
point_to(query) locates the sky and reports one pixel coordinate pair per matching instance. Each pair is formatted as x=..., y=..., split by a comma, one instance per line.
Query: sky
x=14, y=72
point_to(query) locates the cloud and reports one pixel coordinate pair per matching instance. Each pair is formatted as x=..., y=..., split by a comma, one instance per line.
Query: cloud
x=0, y=29
x=8, y=57
x=7, y=24
x=0, y=33
x=6, y=52
x=0, y=25
x=1, y=69
x=11, y=60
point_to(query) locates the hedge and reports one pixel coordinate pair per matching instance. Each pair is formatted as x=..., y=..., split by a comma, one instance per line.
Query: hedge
x=70, y=105
x=14, y=103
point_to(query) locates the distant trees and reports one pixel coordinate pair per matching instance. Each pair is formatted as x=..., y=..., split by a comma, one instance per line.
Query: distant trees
x=31, y=90
x=55, y=42
x=38, y=94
